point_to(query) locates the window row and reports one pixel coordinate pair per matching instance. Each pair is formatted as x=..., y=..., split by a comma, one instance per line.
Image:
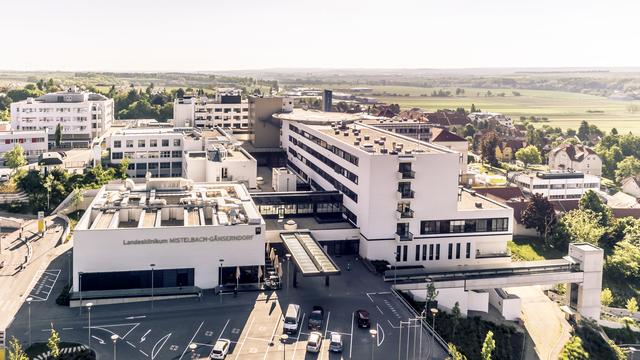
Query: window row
x=431, y=252
x=117, y=155
x=337, y=151
x=143, y=143
x=337, y=168
x=463, y=226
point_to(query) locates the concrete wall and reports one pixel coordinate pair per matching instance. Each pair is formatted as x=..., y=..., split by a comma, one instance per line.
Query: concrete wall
x=507, y=304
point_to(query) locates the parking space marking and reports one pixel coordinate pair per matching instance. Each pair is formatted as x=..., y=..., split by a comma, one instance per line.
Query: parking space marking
x=39, y=282
x=164, y=339
x=353, y=314
x=105, y=328
x=190, y=341
x=378, y=307
x=380, y=331
x=245, y=338
x=143, y=353
x=298, y=338
x=273, y=334
x=326, y=328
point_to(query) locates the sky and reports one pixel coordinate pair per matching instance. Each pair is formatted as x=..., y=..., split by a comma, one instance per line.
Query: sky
x=216, y=35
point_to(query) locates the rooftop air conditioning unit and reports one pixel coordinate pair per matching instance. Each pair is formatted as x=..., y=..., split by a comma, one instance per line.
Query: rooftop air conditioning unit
x=346, y=133
x=479, y=205
x=356, y=143
x=367, y=137
x=383, y=151
x=337, y=132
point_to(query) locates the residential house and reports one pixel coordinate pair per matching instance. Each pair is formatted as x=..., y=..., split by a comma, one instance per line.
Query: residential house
x=506, y=149
x=631, y=186
x=575, y=157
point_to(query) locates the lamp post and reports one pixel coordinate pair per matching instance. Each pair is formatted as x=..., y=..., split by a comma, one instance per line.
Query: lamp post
x=283, y=339
x=69, y=265
x=193, y=348
x=29, y=300
x=80, y=290
x=220, y=278
x=374, y=334
x=152, y=268
x=395, y=268
x=288, y=256
x=89, y=305
x=114, y=338
x=422, y=317
x=434, y=312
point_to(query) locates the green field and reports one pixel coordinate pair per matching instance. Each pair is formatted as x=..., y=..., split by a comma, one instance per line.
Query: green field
x=564, y=109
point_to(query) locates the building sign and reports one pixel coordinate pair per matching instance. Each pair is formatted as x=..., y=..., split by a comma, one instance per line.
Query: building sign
x=188, y=240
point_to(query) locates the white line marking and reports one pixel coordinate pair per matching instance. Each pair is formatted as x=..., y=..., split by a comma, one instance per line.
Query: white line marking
x=144, y=353
x=164, y=339
x=273, y=334
x=353, y=314
x=326, y=328
x=392, y=326
x=201, y=344
x=384, y=293
x=67, y=328
x=144, y=337
x=369, y=296
x=133, y=346
x=219, y=336
x=99, y=340
x=380, y=331
x=135, y=317
x=245, y=338
x=377, y=307
x=298, y=339
x=190, y=341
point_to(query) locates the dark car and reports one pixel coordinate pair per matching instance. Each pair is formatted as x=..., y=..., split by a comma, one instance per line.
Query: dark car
x=362, y=317
x=316, y=318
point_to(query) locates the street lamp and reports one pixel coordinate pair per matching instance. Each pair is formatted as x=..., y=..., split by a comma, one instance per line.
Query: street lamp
x=69, y=264
x=422, y=316
x=373, y=333
x=80, y=290
x=288, y=256
x=152, y=266
x=220, y=278
x=193, y=348
x=29, y=300
x=434, y=312
x=114, y=338
x=89, y=305
x=395, y=267
x=283, y=339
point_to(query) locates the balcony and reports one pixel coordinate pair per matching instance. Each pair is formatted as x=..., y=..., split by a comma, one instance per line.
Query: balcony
x=404, y=214
x=407, y=236
x=406, y=174
x=406, y=194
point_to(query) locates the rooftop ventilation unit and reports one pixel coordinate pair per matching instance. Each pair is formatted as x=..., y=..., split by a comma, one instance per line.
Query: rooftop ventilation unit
x=383, y=151
x=337, y=132
x=479, y=205
x=356, y=143
x=367, y=137
x=383, y=138
x=368, y=147
x=346, y=133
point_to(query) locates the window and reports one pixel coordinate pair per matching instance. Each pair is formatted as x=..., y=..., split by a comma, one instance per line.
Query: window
x=417, y=252
x=165, y=154
x=437, y=251
x=176, y=142
x=398, y=248
x=450, y=252
x=117, y=144
x=457, y=250
x=116, y=155
x=165, y=165
x=129, y=143
x=142, y=143
x=430, y=251
x=468, y=253
x=405, y=250
x=176, y=154
x=165, y=142
x=153, y=143
x=463, y=226
x=153, y=166
x=456, y=226
x=424, y=252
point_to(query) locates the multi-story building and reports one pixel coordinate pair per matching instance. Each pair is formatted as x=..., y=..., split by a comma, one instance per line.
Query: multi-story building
x=416, y=129
x=400, y=192
x=227, y=111
x=575, y=157
x=199, y=155
x=33, y=142
x=82, y=116
x=557, y=185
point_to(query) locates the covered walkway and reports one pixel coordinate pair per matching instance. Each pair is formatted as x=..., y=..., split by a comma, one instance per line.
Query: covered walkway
x=308, y=256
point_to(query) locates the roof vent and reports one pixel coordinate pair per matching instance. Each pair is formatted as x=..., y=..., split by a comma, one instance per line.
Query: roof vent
x=383, y=151
x=383, y=138
x=368, y=147
x=367, y=137
x=346, y=133
x=337, y=132
x=479, y=205
x=356, y=143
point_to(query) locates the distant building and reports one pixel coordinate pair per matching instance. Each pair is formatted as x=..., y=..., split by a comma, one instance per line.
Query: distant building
x=498, y=118
x=575, y=157
x=454, y=142
x=557, y=185
x=265, y=130
x=420, y=130
x=506, y=150
x=224, y=110
x=327, y=100
x=83, y=116
x=631, y=186
x=448, y=118
x=33, y=142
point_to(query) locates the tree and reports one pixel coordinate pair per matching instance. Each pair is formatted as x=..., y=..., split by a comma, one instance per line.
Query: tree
x=591, y=201
x=632, y=305
x=629, y=166
x=584, y=131
x=54, y=344
x=488, y=346
x=78, y=199
x=48, y=185
x=539, y=215
x=432, y=293
x=606, y=297
x=180, y=93
x=455, y=317
x=625, y=260
x=529, y=155
x=15, y=350
x=58, y=135
x=573, y=350
x=15, y=158
x=583, y=226
x=124, y=167
x=454, y=354
x=488, y=145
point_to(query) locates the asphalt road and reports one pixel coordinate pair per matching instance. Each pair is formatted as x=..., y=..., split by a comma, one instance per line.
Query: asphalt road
x=252, y=321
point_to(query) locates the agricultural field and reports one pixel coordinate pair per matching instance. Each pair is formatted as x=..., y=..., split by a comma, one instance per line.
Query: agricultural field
x=563, y=109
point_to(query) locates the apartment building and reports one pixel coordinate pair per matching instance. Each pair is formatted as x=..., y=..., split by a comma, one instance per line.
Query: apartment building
x=400, y=192
x=558, y=184
x=82, y=116
x=575, y=157
x=227, y=111
x=33, y=142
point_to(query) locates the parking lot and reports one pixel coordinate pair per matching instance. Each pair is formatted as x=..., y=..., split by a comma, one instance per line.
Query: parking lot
x=252, y=321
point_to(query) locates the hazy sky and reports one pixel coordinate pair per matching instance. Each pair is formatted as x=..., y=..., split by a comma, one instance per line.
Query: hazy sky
x=196, y=35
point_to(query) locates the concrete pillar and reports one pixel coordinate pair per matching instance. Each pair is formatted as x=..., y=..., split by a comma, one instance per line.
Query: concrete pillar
x=590, y=259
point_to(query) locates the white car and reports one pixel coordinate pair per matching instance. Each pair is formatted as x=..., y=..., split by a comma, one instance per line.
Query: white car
x=220, y=349
x=315, y=342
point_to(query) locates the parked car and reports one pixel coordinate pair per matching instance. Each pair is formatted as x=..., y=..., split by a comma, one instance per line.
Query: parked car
x=316, y=318
x=292, y=319
x=362, y=317
x=314, y=342
x=220, y=349
x=336, y=342
x=4, y=177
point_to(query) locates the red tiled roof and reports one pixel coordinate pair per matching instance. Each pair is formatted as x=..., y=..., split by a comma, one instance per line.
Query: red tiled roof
x=501, y=193
x=443, y=135
x=620, y=213
x=575, y=152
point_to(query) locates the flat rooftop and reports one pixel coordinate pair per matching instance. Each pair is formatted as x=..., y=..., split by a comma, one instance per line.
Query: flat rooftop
x=307, y=223
x=318, y=117
x=470, y=200
x=170, y=202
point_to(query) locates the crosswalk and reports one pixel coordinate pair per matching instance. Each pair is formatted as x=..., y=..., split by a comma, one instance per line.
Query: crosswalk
x=67, y=350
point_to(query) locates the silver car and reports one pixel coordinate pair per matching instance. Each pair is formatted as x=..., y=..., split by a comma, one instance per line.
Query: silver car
x=336, y=342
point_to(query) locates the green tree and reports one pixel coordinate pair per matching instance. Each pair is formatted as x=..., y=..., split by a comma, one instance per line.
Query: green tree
x=488, y=346
x=539, y=215
x=123, y=168
x=629, y=166
x=583, y=226
x=454, y=353
x=78, y=199
x=529, y=155
x=632, y=305
x=606, y=297
x=573, y=350
x=591, y=201
x=455, y=317
x=625, y=260
x=488, y=145
x=54, y=344
x=584, y=131
x=432, y=293
x=15, y=350
x=58, y=135
x=15, y=158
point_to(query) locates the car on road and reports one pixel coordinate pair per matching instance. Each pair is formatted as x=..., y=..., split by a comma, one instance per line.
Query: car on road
x=292, y=319
x=362, y=317
x=316, y=318
x=315, y=342
x=4, y=177
x=336, y=342
x=220, y=349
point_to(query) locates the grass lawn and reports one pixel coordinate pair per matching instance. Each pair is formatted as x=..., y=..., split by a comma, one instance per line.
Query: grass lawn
x=564, y=109
x=532, y=248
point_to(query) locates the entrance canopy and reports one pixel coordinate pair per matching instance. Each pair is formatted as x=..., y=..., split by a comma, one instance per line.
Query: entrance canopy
x=308, y=255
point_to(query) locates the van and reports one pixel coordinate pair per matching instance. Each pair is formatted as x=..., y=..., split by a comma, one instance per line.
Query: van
x=292, y=319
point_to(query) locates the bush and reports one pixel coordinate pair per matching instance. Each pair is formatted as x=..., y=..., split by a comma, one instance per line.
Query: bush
x=380, y=265
x=63, y=298
x=594, y=343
